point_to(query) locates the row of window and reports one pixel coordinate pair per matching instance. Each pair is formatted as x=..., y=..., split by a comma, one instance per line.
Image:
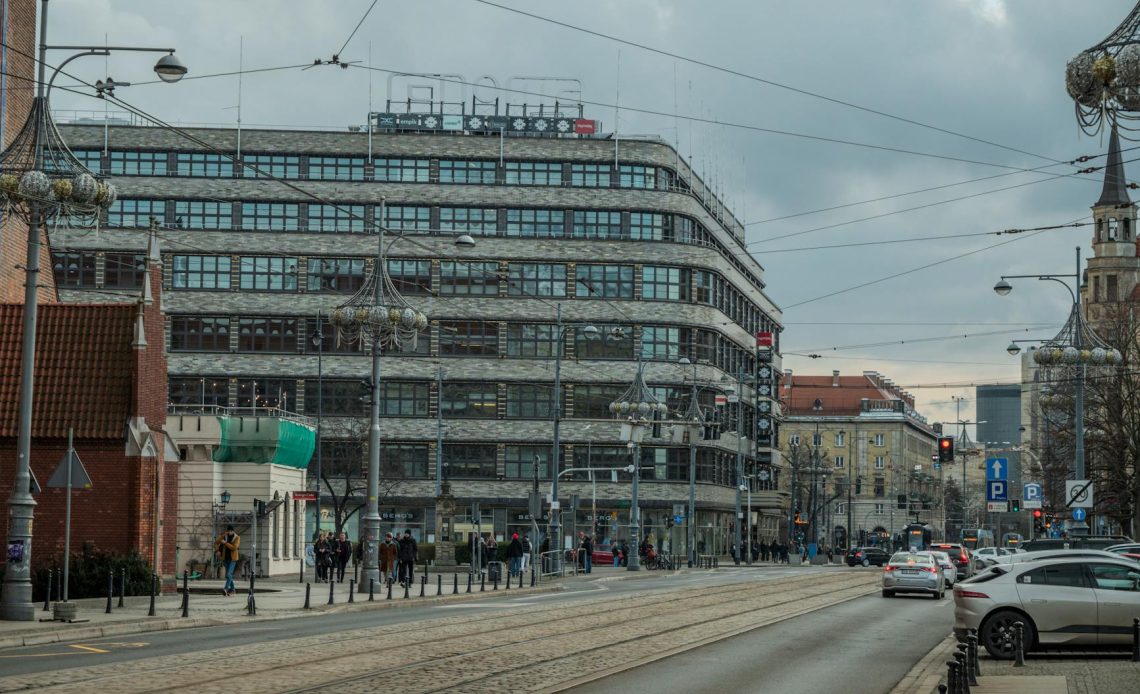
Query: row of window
x=383, y=169
x=879, y=439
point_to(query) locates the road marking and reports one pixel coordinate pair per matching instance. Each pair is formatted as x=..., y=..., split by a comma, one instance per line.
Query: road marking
x=82, y=649
x=91, y=649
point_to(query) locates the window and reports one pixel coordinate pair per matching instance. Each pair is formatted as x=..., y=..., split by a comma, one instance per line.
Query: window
x=817, y=439
x=74, y=268
x=634, y=176
x=404, y=398
x=469, y=460
x=1110, y=288
x=198, y=391
x=841, y=438
x=460, y=171
x=534, y=173
x=530, y=340
x=597, y=224
x=345, y=459
x=270, y=216
x=480, y=400
x=401, y=170
x=204, y=164
x=267, y=392
x=605, y=281
x=880, y=508
x=90, y=159
x=540, y=223
x=612, y=342
x=336, y=275
x=840, y=509
x=592, y=401
x=329, y=344
x=1112, y=577
x=135, y=214
x=880, y=439
x=590, y=175
x=331, y=398
x=794, y=440
x=472, y=220
x=410, y=276
x=880, y=462
x=665, y=283
x=275, y=165
x=404, y=461
x=201, y=272
x=336, y=168
x=520, y=462
x=202, y=214
x=661, y=342
x=536, y=279
x=706, y=285
x=268, y=273
x=267, y=334
x=407, y=218
x=880, y=487
x=199, y=334
x=646, y=226
x=840, y=461
x=468, y=279
x=526, y=401
x=123, y=270
x=1062, y=575
x=336, y=219
x=469, y=338
x=138, y=163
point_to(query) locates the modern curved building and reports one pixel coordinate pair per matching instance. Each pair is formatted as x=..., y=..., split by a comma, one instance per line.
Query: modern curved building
x=571, y=231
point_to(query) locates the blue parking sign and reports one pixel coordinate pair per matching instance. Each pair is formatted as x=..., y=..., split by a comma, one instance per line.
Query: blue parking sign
x=997, y=490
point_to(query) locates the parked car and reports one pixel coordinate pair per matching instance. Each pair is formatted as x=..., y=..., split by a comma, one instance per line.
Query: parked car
x=1124, y=548
x=986, y=555
x=913, y=572
x=949, y=569
x=1091, y=542
x=1039, y=555
x=958, y=554
x=604, y=555
x=866, y=556
x=1083, y=602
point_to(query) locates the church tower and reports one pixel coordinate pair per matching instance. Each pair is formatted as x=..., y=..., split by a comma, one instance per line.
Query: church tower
x=1113, y=271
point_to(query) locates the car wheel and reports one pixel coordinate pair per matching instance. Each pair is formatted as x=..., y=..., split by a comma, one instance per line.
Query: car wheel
x=997, y=633
x=888, y=594
x=866, y=562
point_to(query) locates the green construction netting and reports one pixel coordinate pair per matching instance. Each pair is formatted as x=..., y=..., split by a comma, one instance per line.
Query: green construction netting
x=265, y=440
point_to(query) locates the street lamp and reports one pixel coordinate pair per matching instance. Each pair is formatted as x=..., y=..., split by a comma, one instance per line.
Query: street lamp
x=639, y=409
x=1075, y=345
x=378, y=315
x=318, y=340
x=694, y=424
x=40, y=180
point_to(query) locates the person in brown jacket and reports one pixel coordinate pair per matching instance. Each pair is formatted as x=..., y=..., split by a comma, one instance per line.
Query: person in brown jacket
x=227, y=549
x=388, y=552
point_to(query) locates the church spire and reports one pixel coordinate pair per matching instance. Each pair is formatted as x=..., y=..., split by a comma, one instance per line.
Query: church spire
x=1115, y=191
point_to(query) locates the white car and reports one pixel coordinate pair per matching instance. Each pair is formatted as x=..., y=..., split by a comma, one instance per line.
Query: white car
x=1055, y=554
x=988, y=556
x=949, y=571
x=913, y=572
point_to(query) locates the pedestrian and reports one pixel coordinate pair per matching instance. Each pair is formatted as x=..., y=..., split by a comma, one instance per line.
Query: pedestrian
x=227, y=549
x=388, y=557
x=544, y=552
x=515, y=555
x=587, y=548
x=321, y=548
x=528, y=548
x=478, y=553
x=408, y=553
x=343, y=554
x=624, y=553
x=617, y=555
x=763, y=550
x=492, y=548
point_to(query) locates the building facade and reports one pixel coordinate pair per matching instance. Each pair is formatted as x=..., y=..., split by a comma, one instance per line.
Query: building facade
x=571, y=231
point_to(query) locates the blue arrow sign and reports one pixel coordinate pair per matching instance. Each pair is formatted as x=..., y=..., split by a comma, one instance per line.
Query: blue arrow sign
x=1079, y=514
x=997, y=468
x=997, y=490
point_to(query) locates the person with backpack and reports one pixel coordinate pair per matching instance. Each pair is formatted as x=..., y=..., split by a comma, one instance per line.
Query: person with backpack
x=515, y=555
x=408, y=553
x=227, y=549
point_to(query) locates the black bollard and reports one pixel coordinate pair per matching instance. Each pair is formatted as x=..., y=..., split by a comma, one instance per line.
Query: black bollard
x=941, y=689
x=301, y=578
x=1018, y=644
x=251, y=597
x=351, y=589
x=185, y=594
x=509, y=577
x=455, y=584
x=963, y=683
x=406, y=585
x=972, y=639
x=482, y=583
x=468, y=582
x=439, y=584
x=520, y=579
x=389, y=590
x=122, y=587
x=371, y=589
x=110, y=589
x=47, y=595
x=952, y=676
x=332, y=587
x=423, y=584
x=533, y=577
x=153, y=589
x=308, y=590
x=1136, y=640
x=495, y=582
x=967, y=667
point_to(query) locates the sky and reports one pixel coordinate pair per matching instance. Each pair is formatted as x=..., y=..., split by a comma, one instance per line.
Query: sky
x=991, y=70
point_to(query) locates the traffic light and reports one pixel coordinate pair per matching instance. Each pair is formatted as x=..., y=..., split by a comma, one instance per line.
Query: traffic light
x=1015, y=505
x=1037, y=525
x=945, y=449
x=366, y=391
x=1036, y=514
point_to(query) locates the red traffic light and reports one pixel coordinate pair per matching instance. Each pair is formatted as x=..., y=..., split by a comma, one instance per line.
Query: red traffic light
x=945, y=443
x=1037, y=513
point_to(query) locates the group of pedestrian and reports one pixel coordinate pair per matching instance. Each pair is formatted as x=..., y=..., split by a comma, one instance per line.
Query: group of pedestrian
x=774, y=551
x=332, y=553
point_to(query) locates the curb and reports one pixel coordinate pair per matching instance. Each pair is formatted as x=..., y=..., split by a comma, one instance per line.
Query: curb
x=927, y=674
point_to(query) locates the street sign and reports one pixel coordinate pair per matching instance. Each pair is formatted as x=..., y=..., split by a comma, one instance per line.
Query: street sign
x=79, y=478
x=997, y=506
x=304, y=496
x=677, y=520
x=997, y=490
x=1032, y=495
x=1078, y=494
x=764, y=339
x=1079, y=514
x=997, y=468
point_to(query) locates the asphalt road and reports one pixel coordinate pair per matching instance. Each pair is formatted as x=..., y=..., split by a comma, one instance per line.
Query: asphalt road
x=864, y=646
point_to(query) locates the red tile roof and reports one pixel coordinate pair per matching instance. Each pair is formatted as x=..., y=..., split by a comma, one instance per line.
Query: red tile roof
x=841, y=399
x=83, y=372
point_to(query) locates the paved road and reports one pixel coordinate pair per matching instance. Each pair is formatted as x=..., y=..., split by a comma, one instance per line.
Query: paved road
x=862, y=646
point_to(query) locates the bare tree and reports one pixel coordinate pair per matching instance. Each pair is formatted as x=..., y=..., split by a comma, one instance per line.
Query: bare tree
x=344, y=474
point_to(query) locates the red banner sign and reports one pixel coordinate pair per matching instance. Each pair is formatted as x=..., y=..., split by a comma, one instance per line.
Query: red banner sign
x=585, y=127
x=304, y=496
x=764, y=339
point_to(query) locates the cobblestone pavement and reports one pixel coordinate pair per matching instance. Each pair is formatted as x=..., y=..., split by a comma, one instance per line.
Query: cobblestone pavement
x=530, y=648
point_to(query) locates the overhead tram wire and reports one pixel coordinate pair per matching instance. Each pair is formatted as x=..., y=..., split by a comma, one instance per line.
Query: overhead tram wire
x=761, y=80
x=356, y=28
x=862, y=358
x=888, y=242
x=918, y=340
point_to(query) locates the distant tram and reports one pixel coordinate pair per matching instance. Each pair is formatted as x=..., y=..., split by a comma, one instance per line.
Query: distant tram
x=977, y=538
x=918, y=536
x=1011, y=540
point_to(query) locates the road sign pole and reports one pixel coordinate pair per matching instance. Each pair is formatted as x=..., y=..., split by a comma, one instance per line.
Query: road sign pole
x=67, y=513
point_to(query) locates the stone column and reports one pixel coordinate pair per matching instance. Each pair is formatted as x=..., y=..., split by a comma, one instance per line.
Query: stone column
x=444, y=526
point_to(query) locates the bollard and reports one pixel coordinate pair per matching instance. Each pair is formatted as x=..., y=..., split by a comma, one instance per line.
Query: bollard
x=389, y=590
x=351, y=589
x=495, y=582
x=509, y=577
x=439, y=584
x=972, y=639
x=1136, y=640
x=455, y=584
x=301, y=579
x=963, y=683
x=423, y=584
x=123, y=588
x=153, y=588
x=406, y=584
x=332, y=586
x=468, y=582
x=952, y=676
x=371, y=589
x=47, y=595
x=308, y=589
x=967, y=665
x=533, y=576
x=1018, y=644
x=971, y=662
x=941, y=689
x=185, y=593
x=482, y=583
x=110, y=589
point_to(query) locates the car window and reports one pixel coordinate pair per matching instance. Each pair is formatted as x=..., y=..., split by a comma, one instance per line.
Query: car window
x=1071, y=575
x=1112, y=577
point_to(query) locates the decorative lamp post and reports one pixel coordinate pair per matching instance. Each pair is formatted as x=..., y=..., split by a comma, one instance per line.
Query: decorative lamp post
x=1104, y=80
x=638, y=409
x=694, y=426
x=42, y=182
x=1076, y=345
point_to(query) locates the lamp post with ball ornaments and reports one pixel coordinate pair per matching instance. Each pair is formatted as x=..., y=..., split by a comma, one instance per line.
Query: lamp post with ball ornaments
x=41, y=181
